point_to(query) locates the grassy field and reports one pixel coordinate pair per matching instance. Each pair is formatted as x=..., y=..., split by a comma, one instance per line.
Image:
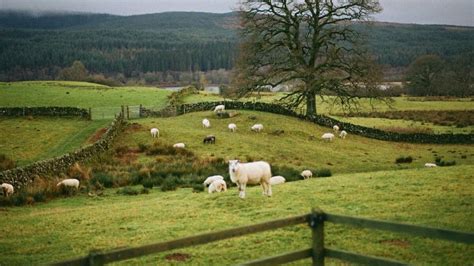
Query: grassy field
x=295, y=147
x=70, y=227
x=390, y=124
x=105, y=101
x=28, y=140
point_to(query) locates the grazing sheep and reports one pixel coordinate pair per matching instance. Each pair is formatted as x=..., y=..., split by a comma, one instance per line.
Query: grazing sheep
x=257, y=127
x=155, y=132
x=179, y=145
x=210, y=139
x=327, y=136
x=276, y=180
x=219, y=108
x=251, y=173
x=232, y=127
x=7, y=189
x=343, y=134
x=335, y=128
x=430, y=165
x=206, y=123
x=211, y=179
x=69, y=183
x=306, y=174
x=217, y=186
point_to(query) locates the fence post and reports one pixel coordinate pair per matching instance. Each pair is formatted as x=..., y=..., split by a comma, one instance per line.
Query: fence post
x=316, y=222
x=140, y=111
x=90, y=113
x=128, y=113
x=123, y=110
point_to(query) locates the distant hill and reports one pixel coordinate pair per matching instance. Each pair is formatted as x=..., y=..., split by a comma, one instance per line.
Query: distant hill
x=179, y=41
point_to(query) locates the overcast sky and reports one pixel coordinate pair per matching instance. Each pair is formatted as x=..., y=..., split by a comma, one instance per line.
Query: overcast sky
x=453, y=12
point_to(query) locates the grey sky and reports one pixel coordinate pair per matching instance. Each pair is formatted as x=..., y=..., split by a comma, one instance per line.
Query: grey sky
x=453, y=12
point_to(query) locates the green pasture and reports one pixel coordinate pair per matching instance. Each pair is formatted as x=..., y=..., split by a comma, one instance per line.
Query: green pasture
x=70, y=227
x=390, y=124
x=299, y=147
x=28, y=140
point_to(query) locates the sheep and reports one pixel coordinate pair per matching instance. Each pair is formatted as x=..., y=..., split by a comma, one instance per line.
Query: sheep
x=209, y=139
x=206, y=123
x=69, y=183
x=211, y=179
x=335, y=128
x=232, y=127
x=250, y=173
x=219, y=108
x=276, y=180
x=217, y=186
x=257, y=127
x=327, y=136
x=179, y=145
x=155, y=132
x=430, y=165
x=343, y=134
x=7, y=189
x=306, y=174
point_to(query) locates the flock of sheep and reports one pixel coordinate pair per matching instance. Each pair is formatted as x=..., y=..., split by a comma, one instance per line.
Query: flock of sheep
x=8, y=189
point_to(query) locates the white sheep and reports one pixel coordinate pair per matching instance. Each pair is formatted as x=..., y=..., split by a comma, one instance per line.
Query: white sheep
x=155, y=132
x=430, y=165
x=211, y=179
x=69, y=183
x=276, y=180
x=335, y=128
x=343, y=134
x=257, y=127
x=7, y=189
x=306, y=174
x=327, y=136
x=217, y=186
x=219, y=108
x=206, y=123
x=179, y=145
x=250, y=173
x=232, y=127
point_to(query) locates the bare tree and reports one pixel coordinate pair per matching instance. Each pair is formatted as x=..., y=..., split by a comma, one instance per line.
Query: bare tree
x=310, y=44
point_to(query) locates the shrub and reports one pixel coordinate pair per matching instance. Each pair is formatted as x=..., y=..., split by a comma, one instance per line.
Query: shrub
x=144, y=191
x=102, y=179
x=324, y=172
x=198, y=188
x=143, y=147
x=128, y=191
x=170, y=183
x=19, y=199
x=6, y=163
x=402, y=159
x=289, y=173
x=148, y=183
x=39, y=196
x=440, y=162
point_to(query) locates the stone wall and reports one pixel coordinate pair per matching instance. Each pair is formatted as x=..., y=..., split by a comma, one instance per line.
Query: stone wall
x=44, y=111
x=320, y=120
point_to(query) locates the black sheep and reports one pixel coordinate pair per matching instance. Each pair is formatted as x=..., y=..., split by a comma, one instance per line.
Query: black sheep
x=209, y=139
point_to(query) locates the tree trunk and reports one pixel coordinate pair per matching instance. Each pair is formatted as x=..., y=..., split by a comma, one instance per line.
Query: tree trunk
x=310, y=103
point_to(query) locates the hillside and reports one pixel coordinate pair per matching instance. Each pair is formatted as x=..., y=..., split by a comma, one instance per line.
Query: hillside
x=35, y=46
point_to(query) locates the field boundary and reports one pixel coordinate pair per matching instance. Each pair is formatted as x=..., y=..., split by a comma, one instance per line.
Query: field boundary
x=45, y=111
x=21, y=176
x=318, y=119
x=318, y=252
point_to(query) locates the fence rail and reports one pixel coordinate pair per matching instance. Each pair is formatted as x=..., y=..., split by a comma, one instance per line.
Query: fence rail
x=318, y=252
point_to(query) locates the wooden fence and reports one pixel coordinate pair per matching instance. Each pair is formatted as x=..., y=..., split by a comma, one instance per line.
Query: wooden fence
x=318, y=252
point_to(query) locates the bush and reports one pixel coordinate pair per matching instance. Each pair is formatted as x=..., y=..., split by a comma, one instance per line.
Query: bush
x=128, y=191
x=39, y=196
x=148, y=183
x=102, y=179
x=289, y=173
x=170, y=183
x=143, y=147
x=198, y=188
x=144, y=191
x=402, y=159
x=324, y=172
x=441, y=162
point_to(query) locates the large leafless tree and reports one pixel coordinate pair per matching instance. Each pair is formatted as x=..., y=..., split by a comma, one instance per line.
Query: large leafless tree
x=311, y=44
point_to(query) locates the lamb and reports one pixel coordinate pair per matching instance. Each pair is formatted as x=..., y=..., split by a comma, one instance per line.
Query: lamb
x=232, y=127
x=327, y=136
x=211, y=179
x=343, y=134
x=250, y=173
x=210, y=139
x=306, y=174
x=179, y=145
x=430, y=165
x=69, y=183
x=276, y=180
x=257, y=127
x=219, y=108
x=7, y=189
x=217, y=186
x=206, y=123
x=335, y=128
x=155, y=132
